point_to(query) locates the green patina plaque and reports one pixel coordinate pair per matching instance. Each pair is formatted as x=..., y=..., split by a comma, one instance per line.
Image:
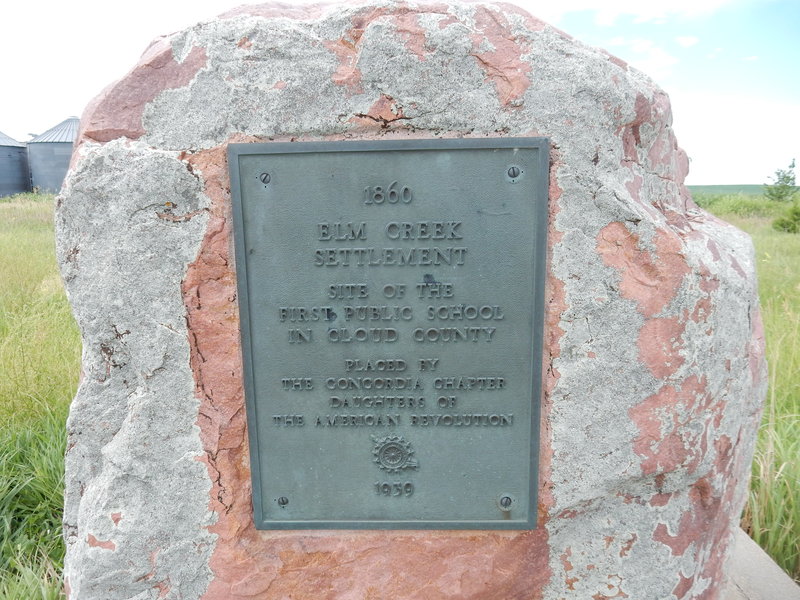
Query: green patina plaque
x=391, y=304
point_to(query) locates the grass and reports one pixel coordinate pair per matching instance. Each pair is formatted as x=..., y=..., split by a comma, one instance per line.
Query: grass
x=39, y=345
x=737, y=206
x=726, y=190
x=39, y=360
x=40, y=353
x=772, y=516
x=32, y=470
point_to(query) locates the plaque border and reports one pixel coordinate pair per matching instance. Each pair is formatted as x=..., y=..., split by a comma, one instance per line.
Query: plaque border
x=539, y=263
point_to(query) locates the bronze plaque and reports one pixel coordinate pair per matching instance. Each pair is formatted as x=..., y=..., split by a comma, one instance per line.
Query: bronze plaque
x=391, y=303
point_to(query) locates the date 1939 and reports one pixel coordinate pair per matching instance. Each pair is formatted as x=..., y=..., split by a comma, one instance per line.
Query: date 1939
x=394, y=488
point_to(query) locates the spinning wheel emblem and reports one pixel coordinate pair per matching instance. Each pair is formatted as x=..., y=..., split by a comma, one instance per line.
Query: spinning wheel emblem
x=393, y=454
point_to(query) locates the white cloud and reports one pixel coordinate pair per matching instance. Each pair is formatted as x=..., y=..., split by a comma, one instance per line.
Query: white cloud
x=610, y=10
x=646, y=56
x=735, y=139
x=687, y=41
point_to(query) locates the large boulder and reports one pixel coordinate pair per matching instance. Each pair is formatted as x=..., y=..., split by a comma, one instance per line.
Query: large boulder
x=653, y=361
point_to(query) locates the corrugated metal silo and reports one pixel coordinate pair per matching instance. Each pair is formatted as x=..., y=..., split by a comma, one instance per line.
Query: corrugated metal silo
x=14, y=177
x=49, y=155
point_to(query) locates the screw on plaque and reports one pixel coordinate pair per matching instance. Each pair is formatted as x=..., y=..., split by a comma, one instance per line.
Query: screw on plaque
x=265, y=178
x=514, y=173
x=506, y=502
x=283, y=501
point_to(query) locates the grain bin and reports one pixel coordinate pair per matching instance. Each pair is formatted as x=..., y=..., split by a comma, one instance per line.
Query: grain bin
x=49, y=155
x=14, y=177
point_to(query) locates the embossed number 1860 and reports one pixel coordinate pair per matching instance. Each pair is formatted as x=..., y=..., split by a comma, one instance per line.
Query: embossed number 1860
x=395, y=488
x=393, y=194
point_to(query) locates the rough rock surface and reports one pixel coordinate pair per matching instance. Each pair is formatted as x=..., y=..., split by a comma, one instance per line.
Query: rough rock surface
x=653, y=352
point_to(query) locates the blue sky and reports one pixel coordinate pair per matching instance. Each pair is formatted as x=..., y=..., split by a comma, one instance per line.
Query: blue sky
x=729, y=66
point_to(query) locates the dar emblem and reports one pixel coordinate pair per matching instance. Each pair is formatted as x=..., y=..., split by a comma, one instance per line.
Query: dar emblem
x=393, y=454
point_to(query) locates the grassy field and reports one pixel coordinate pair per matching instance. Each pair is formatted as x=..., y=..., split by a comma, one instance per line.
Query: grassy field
x=40, y=352
x=39, y=360
x=772, y=517
x=726, y=190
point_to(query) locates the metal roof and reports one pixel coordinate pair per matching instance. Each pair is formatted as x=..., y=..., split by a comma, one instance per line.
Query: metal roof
x=7, y=141
x=66, y=131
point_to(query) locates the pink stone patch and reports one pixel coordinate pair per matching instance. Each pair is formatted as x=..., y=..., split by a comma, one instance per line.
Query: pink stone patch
x=674, y=424
x=117, y=111
x=650, y=279
x=626, y=547
x=347, y=74
x=569, y=582
x=631, y=138
x=704, y=508
x=385, y=112
x=683, y=586
x=503, y=66
x=346, y=49
x=660, y=343
x=95, y=543
x=407, y=25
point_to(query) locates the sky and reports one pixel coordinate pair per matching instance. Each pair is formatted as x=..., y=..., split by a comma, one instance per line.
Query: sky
x=730, y=67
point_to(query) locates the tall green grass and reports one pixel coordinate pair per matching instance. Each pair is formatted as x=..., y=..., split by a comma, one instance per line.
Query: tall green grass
x=772, y=515
x=39, y=362
x=740, y=205
x=39, y=344
x=32, y=472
